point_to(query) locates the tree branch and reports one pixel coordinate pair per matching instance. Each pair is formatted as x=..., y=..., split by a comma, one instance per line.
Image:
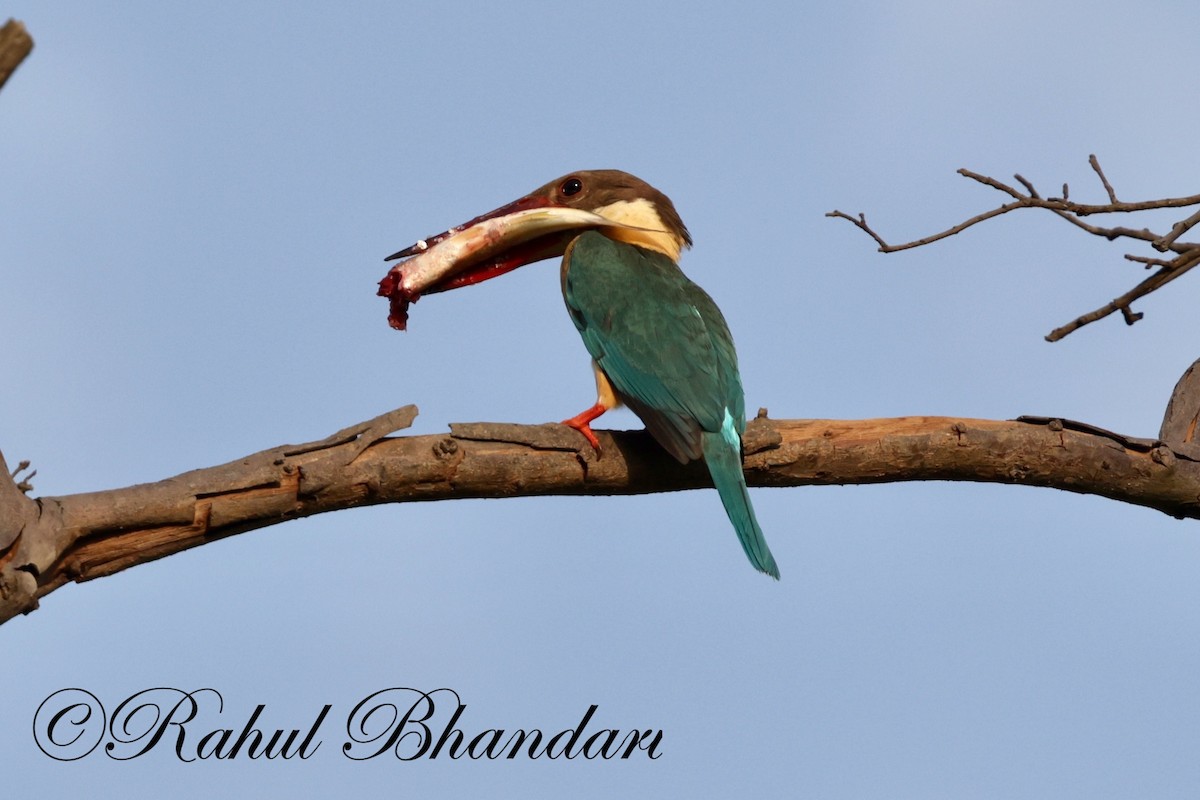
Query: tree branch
x=49, y=542
x=15, y=45
x=16, y=511
x=1187, y=254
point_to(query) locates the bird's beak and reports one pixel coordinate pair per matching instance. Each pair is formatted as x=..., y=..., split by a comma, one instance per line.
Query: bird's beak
x=524, y=231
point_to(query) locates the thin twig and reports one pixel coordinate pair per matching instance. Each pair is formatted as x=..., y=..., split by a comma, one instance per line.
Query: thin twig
x=1123, y=303
x=1095, y=162
x=1082, y=209
x=1187, y=254
x=1028, y=187
x=1150, y=262
x=884, y=247
x=861, y=223
x=1177, y=230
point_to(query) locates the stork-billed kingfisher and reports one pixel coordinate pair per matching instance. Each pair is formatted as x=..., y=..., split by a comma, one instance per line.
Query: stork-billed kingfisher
x=657, y=340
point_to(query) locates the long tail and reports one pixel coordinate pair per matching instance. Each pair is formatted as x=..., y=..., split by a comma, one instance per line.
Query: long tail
x=723, y=454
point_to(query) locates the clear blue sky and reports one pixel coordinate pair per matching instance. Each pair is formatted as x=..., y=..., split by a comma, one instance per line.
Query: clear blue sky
x=195, y=200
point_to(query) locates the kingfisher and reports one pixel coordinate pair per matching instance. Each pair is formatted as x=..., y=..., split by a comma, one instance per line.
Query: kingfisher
x=658, y=342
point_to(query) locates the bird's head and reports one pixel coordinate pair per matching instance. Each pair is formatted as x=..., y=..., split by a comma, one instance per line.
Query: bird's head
x=538, y=226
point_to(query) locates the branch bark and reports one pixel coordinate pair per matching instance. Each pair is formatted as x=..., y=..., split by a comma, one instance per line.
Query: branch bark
x=49, y=542
x=15, y=45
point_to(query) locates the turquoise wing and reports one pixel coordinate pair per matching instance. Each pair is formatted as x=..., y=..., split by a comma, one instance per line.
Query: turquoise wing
x=659, y=338
x=666, y=349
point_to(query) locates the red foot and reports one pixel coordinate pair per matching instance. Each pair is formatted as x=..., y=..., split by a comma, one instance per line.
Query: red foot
x=582, y=423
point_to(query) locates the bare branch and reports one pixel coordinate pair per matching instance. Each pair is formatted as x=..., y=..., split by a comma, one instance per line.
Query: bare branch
x=25, y=484
x=17, y=586
x=1150, y=261
x=1169, y=272
x=861, y=223
x=15, y=45
x=884, y=247
x=1187, y=254
x=57, y=540
x=1177, y=230
x=1095, y=162
x=1028, y=187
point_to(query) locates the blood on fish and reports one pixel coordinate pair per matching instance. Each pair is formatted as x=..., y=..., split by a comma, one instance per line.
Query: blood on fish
x=398, y=299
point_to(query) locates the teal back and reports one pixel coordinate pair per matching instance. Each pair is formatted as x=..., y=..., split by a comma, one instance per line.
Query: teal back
x=658, y=337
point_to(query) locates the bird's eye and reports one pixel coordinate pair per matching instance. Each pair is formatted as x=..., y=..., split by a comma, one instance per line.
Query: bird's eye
x=571, y=186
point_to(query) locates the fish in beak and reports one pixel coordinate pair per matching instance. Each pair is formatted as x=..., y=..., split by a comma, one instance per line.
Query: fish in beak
x=530, y=229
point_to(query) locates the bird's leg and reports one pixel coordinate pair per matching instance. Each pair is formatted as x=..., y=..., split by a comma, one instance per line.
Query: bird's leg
x=606, y=398
x=582, y=423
